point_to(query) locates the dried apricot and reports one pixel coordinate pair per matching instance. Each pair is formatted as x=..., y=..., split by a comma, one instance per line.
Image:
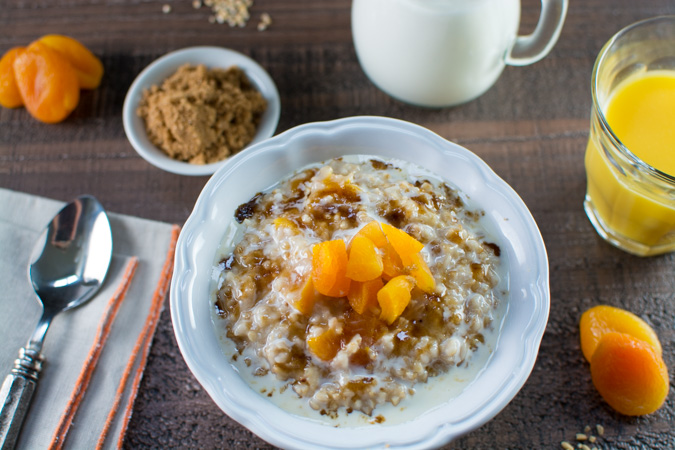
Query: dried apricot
x=407, y=249
x=305, y=303
x=602, y=319
x=88, y=67
x=629, y=374
x=405, y=245
x=394, y=297
x=325, y=345
x=373, y=231
x=280, y=222
x=364, y=262
x=363, y=295
x=391, y=262
x=10, y=96
x=329, y=268
x=421, y=273
x=47, y=82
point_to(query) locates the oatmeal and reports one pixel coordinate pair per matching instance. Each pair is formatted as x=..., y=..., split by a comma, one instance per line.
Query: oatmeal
x=418, y=303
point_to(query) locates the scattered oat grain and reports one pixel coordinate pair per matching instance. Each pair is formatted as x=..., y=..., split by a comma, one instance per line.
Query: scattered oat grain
x=581, y=437
x=232, y=12
x=592, y=439
x=166, y=8
x=566, y=445
x=196, y=4
x=601, y=430
x=265, y=22
x=587, y=429
x=585, y=447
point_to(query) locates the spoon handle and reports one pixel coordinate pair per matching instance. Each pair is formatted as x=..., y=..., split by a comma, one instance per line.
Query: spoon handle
x=16, y=394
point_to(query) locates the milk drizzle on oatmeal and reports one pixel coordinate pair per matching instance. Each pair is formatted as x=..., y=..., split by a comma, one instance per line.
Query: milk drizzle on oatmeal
x=262, y=266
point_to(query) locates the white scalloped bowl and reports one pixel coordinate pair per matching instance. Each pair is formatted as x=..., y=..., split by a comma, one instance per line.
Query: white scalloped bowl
x=264, y=164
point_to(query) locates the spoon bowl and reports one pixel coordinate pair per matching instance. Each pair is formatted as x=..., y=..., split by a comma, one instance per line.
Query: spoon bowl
x=68, y=266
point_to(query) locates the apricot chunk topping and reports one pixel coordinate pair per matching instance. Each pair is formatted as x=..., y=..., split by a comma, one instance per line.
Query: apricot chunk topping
x=421, y=273
x=305, y=303
x=394, y=297
x=364, y=263
x=377, y=253
x=405, y=245
x=325, y=345
x=373, y=231
x=329, y=268
x=363, y=295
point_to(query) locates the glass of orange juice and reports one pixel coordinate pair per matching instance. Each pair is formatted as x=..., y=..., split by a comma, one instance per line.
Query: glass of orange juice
x=630, y=158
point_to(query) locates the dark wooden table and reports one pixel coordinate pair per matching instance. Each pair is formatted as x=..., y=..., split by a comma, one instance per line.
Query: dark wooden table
x=531, y=127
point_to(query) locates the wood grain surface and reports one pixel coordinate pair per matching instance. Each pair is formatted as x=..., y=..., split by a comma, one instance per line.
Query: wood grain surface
x=531, y=128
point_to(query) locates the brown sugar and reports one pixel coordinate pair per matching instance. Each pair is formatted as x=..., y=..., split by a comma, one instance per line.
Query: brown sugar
x=202, y=115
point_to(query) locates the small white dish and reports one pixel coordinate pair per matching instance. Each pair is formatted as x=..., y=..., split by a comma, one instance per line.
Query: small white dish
x=165, y=66
x=263, y=165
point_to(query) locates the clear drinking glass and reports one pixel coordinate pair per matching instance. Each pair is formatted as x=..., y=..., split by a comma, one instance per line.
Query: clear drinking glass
x=630, y=203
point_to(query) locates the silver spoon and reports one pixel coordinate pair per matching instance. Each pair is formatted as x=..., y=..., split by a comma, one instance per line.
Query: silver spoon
x=68, y=265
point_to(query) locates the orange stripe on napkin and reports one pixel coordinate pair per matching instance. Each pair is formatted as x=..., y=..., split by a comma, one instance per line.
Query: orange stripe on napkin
x=102, y=334
x=142, y=346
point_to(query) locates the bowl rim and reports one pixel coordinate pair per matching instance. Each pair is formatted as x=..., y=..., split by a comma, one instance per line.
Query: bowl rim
x=259, y=422
x=161, y=68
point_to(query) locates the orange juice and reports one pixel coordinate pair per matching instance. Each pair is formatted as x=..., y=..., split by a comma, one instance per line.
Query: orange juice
x=642, y=115
x=638, y=207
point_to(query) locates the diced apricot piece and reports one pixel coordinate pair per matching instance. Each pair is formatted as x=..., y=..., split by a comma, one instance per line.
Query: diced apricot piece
x=363, y=295
x=283, y=222
x=47, y=82
x=364, y=262
x=329, y=268
x=305, y=303
x=603, y=319
x=421, y=273
x=373, y=231
x=394, y=297
x=325, y=345
x=629, y=374
x=405, y=245
x=88, y=67
x=10, y=96
x=391, y=263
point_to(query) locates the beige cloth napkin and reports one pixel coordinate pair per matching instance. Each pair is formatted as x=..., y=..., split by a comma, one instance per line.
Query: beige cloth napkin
x=81, y=382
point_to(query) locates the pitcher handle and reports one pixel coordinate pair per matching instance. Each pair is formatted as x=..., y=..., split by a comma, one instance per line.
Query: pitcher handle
x=533, y=47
